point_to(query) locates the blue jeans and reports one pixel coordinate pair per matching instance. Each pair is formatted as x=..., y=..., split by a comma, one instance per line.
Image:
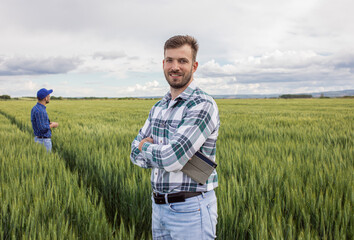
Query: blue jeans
x=196, y=218
x=47, y=142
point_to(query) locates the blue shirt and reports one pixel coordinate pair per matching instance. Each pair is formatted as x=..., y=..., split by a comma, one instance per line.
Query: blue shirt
x=40, y=121
x=179, y=128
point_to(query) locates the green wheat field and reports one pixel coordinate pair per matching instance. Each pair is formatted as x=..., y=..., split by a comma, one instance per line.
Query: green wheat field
x=285, y=170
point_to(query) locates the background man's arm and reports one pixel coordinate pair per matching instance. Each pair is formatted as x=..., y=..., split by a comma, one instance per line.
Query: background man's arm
x=43, y=123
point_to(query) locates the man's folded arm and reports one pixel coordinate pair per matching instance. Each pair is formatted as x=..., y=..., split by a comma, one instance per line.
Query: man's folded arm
x=198, y=124
x=136, y=156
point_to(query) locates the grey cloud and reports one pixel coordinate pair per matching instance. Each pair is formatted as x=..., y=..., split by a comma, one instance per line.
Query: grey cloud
x=282, y=67
x=345, y=62
x=37, y=66
x=138, y=23
x=134, y=58
x=109, y=55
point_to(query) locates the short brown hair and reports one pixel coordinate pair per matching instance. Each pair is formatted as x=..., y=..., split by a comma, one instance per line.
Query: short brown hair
x=179, y=40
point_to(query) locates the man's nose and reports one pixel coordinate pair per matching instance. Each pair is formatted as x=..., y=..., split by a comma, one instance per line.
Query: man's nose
x=175, y=65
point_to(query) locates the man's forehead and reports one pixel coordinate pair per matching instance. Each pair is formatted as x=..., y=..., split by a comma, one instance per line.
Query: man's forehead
x=182, y=52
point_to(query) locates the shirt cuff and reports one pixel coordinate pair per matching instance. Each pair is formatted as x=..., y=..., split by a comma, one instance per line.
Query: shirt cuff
x=146, y=151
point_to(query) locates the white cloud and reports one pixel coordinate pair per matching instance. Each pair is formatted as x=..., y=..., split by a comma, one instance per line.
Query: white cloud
x=272, y=62
x=148, y=89
x=18, y=87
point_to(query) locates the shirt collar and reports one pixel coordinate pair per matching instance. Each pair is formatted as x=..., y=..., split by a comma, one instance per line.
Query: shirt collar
x=188, y=91
x=183, y=96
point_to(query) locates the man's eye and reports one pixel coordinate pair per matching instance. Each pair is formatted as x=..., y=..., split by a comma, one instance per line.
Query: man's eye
x=168, y=60
x=183, y=61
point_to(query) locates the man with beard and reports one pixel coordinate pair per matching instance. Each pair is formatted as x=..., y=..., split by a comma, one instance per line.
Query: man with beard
x=40, y=122
x=185, y=121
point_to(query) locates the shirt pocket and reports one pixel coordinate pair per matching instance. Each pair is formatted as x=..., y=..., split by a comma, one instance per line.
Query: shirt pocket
x=171, y=127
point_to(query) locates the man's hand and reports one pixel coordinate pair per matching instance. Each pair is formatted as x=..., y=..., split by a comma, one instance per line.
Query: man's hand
x=148, y=139
x=53, y=125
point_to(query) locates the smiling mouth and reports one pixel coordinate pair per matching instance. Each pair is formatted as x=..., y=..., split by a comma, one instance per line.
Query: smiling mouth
x=175, y=74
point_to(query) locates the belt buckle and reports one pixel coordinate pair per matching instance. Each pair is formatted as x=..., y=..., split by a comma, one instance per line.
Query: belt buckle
x=158, y=199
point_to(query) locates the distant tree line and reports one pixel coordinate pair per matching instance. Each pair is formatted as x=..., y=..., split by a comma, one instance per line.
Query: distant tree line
x=295, y=96
x=285, y=96
x=5, y=97
x=56, y=98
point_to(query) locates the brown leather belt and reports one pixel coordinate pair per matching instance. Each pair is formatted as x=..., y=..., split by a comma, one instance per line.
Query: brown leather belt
x=174, y=197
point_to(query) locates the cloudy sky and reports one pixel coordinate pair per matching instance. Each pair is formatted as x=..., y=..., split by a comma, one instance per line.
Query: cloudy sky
x=114, y=48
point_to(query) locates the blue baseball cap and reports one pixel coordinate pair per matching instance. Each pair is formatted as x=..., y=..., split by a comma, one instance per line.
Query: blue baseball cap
x=42, y=93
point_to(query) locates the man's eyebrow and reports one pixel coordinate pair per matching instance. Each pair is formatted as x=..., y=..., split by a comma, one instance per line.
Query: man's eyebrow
x=184, y=59
x=181, y=58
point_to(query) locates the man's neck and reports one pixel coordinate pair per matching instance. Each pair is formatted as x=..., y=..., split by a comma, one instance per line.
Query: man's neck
x=175, y=92
x=43, y=102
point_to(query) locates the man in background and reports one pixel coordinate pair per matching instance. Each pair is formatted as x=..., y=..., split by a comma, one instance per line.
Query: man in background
x=40, y=122
x=185, y=121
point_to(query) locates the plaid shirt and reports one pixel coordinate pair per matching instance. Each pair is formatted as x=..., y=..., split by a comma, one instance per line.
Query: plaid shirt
x=179, y=128
x=40, y=121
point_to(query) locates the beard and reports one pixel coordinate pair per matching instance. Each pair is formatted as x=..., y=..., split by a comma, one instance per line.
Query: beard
x=186, y=78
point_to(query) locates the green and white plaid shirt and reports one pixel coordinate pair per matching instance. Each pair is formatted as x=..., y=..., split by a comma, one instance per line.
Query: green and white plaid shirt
x=179, y=129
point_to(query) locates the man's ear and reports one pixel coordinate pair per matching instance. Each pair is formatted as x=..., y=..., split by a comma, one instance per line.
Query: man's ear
x=195, y=66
